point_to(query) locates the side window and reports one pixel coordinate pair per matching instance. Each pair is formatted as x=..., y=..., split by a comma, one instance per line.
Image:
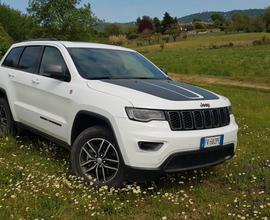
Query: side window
x=30, y=59
x=52, y=58
x=13, y=57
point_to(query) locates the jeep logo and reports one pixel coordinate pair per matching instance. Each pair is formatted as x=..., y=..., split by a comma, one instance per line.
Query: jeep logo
x=205, y=105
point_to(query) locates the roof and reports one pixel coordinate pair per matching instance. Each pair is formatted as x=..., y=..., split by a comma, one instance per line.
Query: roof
x=70, y=44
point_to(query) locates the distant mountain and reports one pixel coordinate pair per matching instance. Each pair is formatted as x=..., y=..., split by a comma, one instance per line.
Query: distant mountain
x=206, y=16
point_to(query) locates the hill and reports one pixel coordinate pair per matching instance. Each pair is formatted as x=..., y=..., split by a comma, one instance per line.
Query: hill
x=206, y=16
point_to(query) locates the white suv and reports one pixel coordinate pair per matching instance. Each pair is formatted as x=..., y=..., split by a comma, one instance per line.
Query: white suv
x=115, y=110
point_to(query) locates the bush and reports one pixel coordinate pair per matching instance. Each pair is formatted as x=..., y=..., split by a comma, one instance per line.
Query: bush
x=264, y=40
x=185, y=36
x=119, y=40
x=214, y=46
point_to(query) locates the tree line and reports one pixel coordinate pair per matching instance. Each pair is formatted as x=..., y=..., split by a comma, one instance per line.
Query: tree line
x=70, y=20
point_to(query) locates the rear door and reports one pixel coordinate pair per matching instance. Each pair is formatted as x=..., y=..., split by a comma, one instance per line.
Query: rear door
x=22, y=85
x=9, y=73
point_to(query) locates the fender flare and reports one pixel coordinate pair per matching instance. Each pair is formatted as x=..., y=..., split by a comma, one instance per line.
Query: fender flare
x=92, y=114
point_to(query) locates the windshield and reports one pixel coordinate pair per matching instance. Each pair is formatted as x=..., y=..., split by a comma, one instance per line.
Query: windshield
x=95, y=63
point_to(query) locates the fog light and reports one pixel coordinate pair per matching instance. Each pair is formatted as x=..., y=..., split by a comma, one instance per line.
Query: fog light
x=150, y=146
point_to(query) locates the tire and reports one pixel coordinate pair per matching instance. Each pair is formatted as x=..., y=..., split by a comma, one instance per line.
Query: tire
x=95, y=156
x=7, y=126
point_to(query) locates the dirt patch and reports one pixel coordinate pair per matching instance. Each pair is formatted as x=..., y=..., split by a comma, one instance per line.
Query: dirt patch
x=212, y=80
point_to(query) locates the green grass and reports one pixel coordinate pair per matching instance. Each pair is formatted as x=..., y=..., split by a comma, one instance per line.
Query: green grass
x=243, y=62
x=35, y=181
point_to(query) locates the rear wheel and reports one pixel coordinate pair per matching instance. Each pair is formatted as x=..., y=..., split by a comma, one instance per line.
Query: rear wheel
x=96, y=156
x=6, y=120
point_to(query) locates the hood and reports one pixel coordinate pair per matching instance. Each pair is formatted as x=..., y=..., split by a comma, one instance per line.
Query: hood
x=159, y=94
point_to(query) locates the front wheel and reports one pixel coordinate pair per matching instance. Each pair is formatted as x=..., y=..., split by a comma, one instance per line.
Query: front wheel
x=6, y=120
x=96, y=156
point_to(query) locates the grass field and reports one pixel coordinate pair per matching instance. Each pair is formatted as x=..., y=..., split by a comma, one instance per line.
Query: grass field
x=35, y=180
x=243, y=61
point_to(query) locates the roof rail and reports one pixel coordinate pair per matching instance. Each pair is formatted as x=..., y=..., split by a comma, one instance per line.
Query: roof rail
x=41, y=39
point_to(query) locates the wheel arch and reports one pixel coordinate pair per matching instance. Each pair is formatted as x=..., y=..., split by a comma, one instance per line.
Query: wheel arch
x=85, y=119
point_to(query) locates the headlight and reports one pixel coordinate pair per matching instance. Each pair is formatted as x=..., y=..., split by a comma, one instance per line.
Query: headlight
x=145, y=115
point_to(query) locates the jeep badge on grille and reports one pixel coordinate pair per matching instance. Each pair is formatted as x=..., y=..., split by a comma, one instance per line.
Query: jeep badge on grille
x=205, y=105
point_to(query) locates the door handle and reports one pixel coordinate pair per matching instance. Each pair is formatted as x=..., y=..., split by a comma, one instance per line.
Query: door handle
x=11, y=76
x=35, y=81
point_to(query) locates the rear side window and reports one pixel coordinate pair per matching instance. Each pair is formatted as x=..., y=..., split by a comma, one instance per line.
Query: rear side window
x=29, y=61
x=13, y=57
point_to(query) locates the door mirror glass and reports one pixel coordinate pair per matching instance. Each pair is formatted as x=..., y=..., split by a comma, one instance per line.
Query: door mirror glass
x=55, y=71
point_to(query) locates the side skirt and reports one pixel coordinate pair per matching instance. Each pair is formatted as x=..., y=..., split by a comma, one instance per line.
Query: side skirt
x=44, y=135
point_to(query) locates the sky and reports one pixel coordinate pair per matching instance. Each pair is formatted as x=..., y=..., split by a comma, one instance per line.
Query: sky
x=129, y=10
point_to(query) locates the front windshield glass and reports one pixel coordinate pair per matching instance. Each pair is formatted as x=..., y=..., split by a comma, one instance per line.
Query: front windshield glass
x=95, y=63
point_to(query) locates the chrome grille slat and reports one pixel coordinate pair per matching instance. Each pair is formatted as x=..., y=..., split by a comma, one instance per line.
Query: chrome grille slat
x=198, y=119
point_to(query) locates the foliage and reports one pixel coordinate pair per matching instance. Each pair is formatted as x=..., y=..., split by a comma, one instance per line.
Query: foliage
x=119, y=40
x=266, y=18
x=263, y=41
x=219, y=20
x=113, y=29
x=5, y=41
x=167, y=22
x=17, y=25
x=241, y=22
x=63, y=19
x=175, y=30
x=130, y=31
x=157, y=25
x=147, y=35
x=145, y=23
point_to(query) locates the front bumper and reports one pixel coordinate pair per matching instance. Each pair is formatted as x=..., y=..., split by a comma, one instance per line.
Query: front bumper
x=174, y=142
x=187, y=161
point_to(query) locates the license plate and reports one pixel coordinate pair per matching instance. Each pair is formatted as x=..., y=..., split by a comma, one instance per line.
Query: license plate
x=207, y=142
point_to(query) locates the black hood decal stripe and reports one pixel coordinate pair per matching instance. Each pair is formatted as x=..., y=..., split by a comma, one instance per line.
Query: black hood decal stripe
x=182, y=91
x=166, y=89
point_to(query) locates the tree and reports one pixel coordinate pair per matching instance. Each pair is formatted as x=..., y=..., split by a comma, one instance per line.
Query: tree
x=167, y=22
x=257, y=24
x=63, y=19
x=18, y=26
x=266, y=18
x=240, y=22
x=219, y=20
x=131, y=31
x=174, y=31
x=113, y=29
x=157, y=25
x=5, y=41
x=145, y=24
x=146, y=35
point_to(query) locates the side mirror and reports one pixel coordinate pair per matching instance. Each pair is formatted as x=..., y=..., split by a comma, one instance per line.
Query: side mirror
x=56, y=72
x=164, y=70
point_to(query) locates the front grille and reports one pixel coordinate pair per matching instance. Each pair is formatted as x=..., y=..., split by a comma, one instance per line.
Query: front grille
x=198, y=119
